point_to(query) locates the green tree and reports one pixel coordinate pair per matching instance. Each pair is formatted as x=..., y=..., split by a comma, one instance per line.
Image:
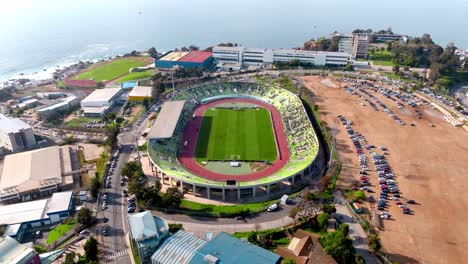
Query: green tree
x=322, y=221
x=172, y=197
x=288, y=261
x=252, y=237
x=70, y=258
x=95, y=184
x=396, y=69
x=146, y=103
x=374, y=243
x=359, y=195
x=153, y=52
x=132, y=168
x=328, y=209
x=85, y=216
x=100, y=85
x=91, y=249
x=173, y=228
x=339, y=246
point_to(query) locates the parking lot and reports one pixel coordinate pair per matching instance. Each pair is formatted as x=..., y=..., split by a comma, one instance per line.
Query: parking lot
x=428, y=160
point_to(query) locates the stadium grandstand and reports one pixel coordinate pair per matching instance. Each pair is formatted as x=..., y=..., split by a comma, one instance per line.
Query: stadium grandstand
x=167, y=142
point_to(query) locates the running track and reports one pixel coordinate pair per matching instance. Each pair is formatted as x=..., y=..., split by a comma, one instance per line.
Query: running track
x=187, y=156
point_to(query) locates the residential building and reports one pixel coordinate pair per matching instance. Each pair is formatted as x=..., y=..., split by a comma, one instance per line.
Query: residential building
x=27, y=104
x=37, y=173
x=147, y=232
x=100, y=101
x=12, y=252
x=15, y=134
x=139, y=93
x=22, y=218
x=185, y=59
x=305, y=248
x=248, y=56
x=185, y=248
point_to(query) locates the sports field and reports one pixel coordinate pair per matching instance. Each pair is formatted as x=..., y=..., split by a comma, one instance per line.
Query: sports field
x=236, y=134
x=111, y=70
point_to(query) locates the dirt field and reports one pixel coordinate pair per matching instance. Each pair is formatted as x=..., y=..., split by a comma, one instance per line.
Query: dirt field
x=430, y=165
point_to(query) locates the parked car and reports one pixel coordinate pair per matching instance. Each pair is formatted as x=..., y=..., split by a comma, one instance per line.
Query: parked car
x=272, y=207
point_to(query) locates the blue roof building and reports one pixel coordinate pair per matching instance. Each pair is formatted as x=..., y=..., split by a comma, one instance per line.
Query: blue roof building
x=147, y=232
x=185, y=248
x=226, y=249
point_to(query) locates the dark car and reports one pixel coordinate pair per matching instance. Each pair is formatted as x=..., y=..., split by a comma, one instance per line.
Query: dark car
x=411, y=201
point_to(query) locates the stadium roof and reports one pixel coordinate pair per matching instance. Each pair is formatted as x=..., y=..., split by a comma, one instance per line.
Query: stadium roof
x=145, y=226
x=230, y=250
x=196, y=56
x=174, y=56
x=12, y=125
x=101, y=95
x=141, y=91
x=179, y=248
x=11, y=251
x=34, y=169
x=166, y=121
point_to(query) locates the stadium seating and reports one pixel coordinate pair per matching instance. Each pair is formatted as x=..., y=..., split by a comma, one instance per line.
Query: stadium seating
x=301, y=137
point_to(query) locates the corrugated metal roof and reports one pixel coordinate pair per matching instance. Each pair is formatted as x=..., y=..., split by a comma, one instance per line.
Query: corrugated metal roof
x=12, y=125
x=196, y=56
x=231, y=250
x=11, y=251
x=138, y=91
x=143, y=226
x=179, y=248
x=101, y=95
x=167, y=119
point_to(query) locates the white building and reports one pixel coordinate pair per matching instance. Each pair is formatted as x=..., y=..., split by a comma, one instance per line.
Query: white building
x=32, y=174
x=21, y=217
x=15, y=134
x=12, y=252
x=355, y=44
x=63, y=105
x=100, y=101
x=247, y=56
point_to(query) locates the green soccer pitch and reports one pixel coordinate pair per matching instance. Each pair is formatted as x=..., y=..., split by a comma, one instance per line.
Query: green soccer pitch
x=244, y=134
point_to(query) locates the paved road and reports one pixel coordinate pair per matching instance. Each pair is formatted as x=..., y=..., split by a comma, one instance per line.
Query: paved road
x=114, y=245
x=356, y=232
x=202, y=225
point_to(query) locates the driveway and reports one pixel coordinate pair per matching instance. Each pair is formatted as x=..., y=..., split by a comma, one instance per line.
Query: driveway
x=356, y=232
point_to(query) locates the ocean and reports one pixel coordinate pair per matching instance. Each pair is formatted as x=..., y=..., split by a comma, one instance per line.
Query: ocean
x=38, y=36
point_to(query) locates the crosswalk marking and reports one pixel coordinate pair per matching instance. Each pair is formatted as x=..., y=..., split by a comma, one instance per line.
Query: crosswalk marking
x=116, y=254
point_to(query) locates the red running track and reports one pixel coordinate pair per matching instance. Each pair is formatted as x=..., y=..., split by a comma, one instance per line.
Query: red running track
x=187, y=156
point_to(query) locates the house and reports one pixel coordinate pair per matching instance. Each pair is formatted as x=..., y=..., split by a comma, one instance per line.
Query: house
x=147, y=232
x=305, y=248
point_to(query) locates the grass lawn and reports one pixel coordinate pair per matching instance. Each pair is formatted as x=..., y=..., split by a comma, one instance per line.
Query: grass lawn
x=135, y=76
x=244, y=135
x=80, y=121
x=219, y=210
x=58, y=231
x=382, y=58
x=394, y=76
x=447, y=81
x=101, y=163
x=143, y=147
x=111, y=70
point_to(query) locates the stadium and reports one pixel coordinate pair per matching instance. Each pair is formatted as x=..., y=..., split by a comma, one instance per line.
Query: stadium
x=233, y=141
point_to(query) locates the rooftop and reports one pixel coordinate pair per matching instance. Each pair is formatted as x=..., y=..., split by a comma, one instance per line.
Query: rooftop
x=101, y=95
x=167, y=119
x=146, y=226
x=141, y=91
x=23, y=212
x=196, y=56
x=11, y=251
x=59, y=202
x=34, y=169
x=174, y=56
x=226, y=248
x=12, y=125
x=179, y=248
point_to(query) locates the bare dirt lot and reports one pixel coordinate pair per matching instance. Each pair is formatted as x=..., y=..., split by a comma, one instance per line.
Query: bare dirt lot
x=430, y=165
